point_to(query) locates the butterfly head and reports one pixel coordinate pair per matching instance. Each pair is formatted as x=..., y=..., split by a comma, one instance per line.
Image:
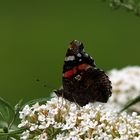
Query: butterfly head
x=75, y=47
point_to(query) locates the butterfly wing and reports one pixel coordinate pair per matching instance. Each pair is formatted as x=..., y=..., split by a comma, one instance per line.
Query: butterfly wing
x=82, y=81
x=98, y=85
x=75, y=56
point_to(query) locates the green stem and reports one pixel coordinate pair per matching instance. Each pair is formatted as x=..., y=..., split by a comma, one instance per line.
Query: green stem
x=19, y=131
x=130, y=103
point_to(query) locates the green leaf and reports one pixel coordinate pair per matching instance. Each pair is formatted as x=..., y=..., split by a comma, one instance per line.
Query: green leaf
x=17, y=108
x=3, y=137
x=40, y=100
x=130, y=103
x=15, y=136
x=5, y=103
x=6, y=111
x=3, y=124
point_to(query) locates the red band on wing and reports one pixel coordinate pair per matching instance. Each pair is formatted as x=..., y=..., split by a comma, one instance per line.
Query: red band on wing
x=69, y=73
x=73, y=71
x=83, y=67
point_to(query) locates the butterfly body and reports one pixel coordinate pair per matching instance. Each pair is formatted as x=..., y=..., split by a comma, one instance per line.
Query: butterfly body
x=82, y=81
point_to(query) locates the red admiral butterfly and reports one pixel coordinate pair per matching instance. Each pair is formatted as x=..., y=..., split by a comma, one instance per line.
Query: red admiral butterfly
x=82, y=81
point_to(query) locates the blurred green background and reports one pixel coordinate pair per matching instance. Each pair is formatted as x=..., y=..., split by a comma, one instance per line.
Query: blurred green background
x=34, y=36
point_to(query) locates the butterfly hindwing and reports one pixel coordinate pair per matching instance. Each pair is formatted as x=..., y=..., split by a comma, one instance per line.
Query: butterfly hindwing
x=98, y=84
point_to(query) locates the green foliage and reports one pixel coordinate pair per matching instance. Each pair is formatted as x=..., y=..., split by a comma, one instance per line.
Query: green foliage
x=6, y=110
x=10, y=115
x=129, y=5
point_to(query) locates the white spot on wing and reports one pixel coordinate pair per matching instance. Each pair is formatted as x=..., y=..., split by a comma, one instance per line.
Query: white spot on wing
x=70, y=58
x=86, y=55
x=79, y=55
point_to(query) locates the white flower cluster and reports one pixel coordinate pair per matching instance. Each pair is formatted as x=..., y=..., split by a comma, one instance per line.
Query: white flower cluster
x=60, y=119
x=125, y=86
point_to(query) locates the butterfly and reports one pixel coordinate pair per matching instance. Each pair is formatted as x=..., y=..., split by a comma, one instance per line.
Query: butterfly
x=82, y=81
